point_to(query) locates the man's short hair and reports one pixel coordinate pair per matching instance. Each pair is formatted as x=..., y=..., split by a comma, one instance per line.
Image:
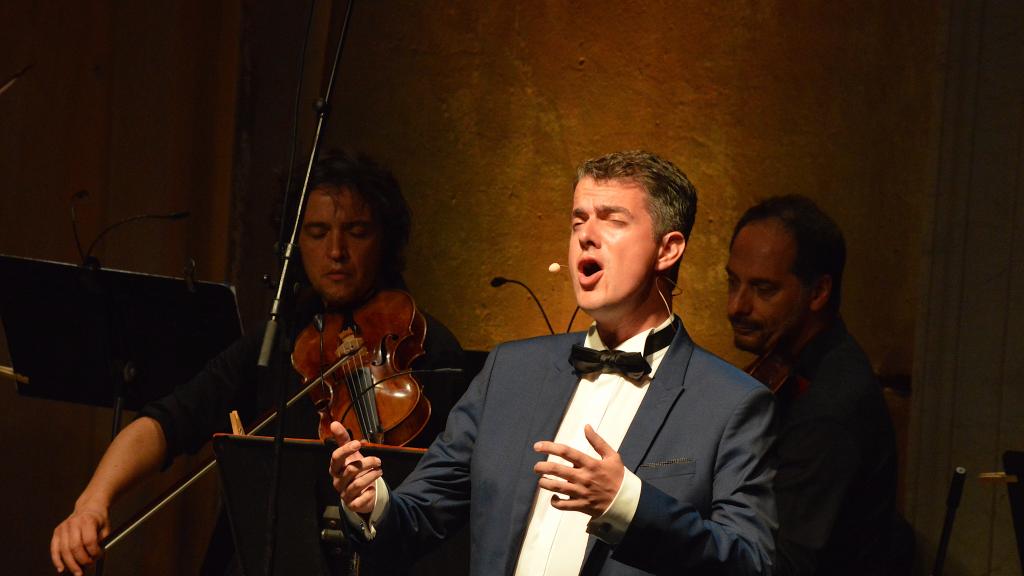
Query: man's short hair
x=378, y=187
x=820, y=247
x=671, y=198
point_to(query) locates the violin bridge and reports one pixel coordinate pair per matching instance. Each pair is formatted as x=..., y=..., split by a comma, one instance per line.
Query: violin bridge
x=348, y=343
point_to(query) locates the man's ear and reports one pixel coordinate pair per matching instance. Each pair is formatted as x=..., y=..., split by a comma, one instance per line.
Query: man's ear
x=821, y=293
x=670, y=250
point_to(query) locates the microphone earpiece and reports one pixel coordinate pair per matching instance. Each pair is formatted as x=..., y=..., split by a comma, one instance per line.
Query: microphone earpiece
x=555, y=267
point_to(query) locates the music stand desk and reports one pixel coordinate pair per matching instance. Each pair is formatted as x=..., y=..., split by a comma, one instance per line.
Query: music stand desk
x=76, y=332
x=246, y=467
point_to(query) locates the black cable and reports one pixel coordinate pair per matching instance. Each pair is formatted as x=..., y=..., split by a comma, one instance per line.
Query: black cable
x=295, y=126
x=395, y=375
x=572, y=319
x=123, y=221
x=500, y=281
x=74, y=222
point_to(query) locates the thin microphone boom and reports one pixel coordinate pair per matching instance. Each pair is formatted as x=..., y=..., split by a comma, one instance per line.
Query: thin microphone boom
x=123, y=221
x=501, y=281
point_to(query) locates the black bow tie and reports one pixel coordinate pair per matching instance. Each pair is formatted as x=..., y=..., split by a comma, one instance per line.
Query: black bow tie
x=632, y=365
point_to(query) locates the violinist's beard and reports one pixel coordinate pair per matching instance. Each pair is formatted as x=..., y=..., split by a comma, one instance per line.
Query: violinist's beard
x=746, y=336
x=756, y=339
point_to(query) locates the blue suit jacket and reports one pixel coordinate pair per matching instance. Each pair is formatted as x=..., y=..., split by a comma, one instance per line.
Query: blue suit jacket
x=699, y=442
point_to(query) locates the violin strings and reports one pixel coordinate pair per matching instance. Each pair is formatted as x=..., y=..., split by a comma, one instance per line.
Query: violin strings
x=370, y=400
x=358, y=398
x=352, y=385
x=368, y=420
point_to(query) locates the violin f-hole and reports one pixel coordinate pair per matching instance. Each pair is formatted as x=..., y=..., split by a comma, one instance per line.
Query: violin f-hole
x=383, y=356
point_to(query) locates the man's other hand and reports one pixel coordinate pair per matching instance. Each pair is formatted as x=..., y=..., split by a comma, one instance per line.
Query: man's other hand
x=353, y=475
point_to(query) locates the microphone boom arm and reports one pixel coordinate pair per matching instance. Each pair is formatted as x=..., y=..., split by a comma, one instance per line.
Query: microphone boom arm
x=499, y=281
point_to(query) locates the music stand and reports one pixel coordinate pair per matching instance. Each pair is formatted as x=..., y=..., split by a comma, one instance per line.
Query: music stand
x=246, y=467
x=1013, y=464
x=79, y=334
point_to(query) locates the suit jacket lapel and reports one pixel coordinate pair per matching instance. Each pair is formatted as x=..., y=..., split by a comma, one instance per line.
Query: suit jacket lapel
x=665, y=388
x=552, y=398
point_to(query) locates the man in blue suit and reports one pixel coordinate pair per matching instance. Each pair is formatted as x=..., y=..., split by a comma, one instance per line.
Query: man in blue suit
x=624, y=450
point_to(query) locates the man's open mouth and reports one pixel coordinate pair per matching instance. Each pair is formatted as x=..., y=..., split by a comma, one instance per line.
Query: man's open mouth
x=589, y=272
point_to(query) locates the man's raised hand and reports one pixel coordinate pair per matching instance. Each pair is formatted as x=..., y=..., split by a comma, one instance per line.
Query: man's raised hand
x=353, y=475
x=590, y=483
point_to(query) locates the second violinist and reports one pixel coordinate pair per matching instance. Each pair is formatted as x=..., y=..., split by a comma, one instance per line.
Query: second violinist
x=353, y=236
x=835, y=488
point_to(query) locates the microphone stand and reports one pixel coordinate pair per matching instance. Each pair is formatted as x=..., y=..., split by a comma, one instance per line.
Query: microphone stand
x=956, y=489
x=322, y=109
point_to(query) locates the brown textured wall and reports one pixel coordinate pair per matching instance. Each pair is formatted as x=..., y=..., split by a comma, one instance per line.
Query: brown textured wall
x=133, y=102
x=484, y=109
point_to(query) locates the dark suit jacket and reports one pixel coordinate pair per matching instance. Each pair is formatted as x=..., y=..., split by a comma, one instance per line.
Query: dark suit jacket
x=836, y=480
x=699, y=443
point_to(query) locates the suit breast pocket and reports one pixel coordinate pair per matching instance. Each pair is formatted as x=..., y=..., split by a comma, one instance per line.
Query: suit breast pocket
x=667, y=468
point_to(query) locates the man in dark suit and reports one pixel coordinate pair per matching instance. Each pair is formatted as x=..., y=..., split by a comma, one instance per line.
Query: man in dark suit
x=624, y=450
x=836, y=480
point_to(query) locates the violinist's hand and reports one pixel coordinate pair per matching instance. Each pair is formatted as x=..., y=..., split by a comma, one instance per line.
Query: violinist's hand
x=590, y=484
x=76, y=542
x=354, y=475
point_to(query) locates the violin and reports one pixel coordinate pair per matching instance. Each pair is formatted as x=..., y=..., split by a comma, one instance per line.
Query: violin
x=776, y=368
x=778, y=373
x=368, y=350
x=363, y=360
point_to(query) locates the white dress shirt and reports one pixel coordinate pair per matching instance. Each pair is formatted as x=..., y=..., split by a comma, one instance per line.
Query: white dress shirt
x=556, y=540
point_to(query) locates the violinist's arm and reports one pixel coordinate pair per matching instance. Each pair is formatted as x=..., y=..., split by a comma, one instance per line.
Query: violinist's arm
x=136, y=453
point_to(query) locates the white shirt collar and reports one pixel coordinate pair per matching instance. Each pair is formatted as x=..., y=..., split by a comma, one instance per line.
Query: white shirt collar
x=634, y=344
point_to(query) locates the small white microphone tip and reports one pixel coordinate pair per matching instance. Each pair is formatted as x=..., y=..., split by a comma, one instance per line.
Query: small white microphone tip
x=554, y=267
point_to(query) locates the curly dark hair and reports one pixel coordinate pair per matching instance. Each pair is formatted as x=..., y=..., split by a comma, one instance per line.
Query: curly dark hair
x=378, y=187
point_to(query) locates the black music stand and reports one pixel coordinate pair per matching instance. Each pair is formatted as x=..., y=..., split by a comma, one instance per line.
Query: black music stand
x=246, y=467
x=1013, y=464
x=94, y=336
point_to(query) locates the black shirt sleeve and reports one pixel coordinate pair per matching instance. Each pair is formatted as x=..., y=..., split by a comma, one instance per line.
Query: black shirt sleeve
x=196, y=410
